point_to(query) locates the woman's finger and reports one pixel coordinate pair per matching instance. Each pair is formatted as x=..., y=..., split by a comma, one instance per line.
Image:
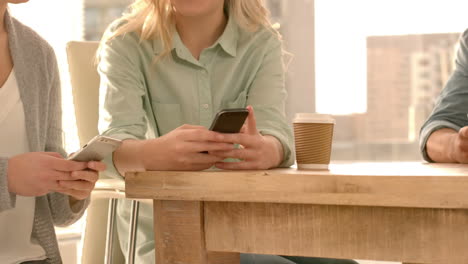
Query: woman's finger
x=54, y=154
x=202, y=158
x=96, y=166
x=243, y=129
x=60, y=176
x=54, y=186
x=208, y=146
x=61, y=164
x=251, y=122
x=79, y=195
x=201, y=136
x=86, y=175
x=77, y=185
x=187, y=126
x=245, y=140
x=463, y=132
x=242, y=154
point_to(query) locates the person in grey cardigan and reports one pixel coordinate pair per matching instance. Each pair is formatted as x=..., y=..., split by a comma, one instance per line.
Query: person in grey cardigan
x=39, y=188
x=444, y=136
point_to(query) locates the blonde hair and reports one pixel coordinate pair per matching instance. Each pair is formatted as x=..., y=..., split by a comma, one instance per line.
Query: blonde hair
x=154, y=19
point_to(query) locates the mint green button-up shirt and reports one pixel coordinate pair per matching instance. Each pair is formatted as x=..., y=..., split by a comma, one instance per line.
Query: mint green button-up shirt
x=142, y=99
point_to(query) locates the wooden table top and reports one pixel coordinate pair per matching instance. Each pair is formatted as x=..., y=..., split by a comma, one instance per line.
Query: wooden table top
x=419, y=185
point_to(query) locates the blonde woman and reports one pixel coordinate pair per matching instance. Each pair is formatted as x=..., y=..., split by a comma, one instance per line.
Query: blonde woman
x=167, y=67
x=38, y=187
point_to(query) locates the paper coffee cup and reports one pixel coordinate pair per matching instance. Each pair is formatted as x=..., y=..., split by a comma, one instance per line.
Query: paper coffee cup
x=313, y=136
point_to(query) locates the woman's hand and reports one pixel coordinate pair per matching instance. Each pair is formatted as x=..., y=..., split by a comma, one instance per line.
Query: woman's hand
x=257, y=152
x=83, y=181
x=38, y=173
x=182, y=149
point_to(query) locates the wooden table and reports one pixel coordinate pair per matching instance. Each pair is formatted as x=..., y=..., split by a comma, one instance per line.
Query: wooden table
x=406, y=212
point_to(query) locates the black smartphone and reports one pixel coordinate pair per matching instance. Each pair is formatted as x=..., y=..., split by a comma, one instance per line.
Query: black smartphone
x=229, y=120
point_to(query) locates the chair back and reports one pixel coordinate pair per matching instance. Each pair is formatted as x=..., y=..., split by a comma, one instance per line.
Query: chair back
x=85, y=88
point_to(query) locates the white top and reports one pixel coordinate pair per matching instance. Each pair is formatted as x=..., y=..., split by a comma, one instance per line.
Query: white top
x=16, y=224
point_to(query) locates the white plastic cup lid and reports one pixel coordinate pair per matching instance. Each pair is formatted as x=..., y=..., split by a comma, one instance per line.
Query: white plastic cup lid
x=313, y=118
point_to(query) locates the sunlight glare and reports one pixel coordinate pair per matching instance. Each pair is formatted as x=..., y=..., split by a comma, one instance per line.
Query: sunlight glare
x=341, y=30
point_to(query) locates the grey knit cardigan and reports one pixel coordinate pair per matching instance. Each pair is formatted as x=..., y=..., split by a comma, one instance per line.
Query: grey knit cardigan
x=39, y=84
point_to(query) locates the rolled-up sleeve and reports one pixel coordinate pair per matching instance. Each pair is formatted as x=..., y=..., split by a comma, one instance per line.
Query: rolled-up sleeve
x=267, y=95
x=451, y=107
x=122, y=92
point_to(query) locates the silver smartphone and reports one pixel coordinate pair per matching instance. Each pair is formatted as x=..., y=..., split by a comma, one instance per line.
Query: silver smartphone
x=96, y=149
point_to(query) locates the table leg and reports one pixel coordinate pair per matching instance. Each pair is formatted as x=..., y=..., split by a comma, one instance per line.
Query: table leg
x=180, y=237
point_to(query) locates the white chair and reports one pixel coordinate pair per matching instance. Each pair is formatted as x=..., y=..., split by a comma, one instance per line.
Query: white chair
x=100, y=244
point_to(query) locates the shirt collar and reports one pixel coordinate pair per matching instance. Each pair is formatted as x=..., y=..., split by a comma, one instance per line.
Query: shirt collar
x=227, y=41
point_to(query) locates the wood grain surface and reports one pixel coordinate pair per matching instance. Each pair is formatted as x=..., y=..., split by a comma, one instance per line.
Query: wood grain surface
x=409, y=235
x=412, y=185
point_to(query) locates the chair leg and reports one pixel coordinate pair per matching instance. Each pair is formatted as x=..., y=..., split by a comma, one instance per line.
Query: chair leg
x=110, y=230
x=132, y=232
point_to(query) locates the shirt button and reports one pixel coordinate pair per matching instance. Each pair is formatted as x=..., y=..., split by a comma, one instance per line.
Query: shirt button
x=205, y=106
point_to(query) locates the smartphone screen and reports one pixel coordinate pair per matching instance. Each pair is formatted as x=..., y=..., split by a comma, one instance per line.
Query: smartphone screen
x=229, y=120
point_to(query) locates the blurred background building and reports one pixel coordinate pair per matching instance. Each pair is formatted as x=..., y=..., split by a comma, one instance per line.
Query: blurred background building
x=404, y=76
x=98, y=14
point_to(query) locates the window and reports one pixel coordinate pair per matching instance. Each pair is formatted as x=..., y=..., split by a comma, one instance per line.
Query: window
x=99, y=14
x=379, y=65
x=78, y=20
x=58, y=22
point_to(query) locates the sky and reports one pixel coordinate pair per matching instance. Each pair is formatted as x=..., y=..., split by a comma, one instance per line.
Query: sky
x=341, y=30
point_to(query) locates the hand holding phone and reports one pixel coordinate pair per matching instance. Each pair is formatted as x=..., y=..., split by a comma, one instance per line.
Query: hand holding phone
x=96, y=149
x=258, y=151
x=229, y=121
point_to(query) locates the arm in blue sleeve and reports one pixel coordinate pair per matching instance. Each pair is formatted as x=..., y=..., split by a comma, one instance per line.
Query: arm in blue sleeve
x=451, y=107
